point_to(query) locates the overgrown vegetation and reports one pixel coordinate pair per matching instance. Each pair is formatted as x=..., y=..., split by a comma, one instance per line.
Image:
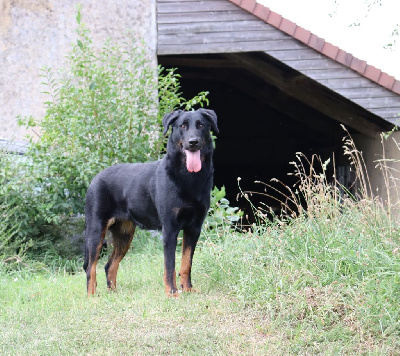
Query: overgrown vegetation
x=327, y=272
x=104, y=108
x=322, y=278
x=322, y=281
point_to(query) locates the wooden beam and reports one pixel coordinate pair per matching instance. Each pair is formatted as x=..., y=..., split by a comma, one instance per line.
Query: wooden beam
x=181, y=61
x=311, y=93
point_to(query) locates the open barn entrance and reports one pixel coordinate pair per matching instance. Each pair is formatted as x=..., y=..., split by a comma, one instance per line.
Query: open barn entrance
x=261, y=126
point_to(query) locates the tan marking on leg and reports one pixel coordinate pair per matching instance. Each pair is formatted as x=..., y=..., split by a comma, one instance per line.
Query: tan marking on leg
x=118, y=254
x=92, y=283
x=127, y=227
x=111, y=275
x=186, y=267
x=110, y=222
x=113, y=269
x=92, y=280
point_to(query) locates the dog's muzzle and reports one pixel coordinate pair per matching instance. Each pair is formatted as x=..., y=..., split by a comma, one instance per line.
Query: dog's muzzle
x=193, y=143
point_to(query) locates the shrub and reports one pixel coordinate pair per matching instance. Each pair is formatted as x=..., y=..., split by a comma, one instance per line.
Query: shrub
x=105, y=108
x=221, y=215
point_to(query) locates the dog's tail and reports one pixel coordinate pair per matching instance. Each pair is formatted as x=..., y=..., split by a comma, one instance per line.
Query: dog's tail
x=86, y=261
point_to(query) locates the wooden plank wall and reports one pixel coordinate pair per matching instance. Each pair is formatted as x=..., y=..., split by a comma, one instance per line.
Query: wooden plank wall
x=345, y=82
x=213, y=26
x=218, y=26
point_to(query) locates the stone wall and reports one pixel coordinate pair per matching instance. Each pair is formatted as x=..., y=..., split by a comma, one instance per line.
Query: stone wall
x=39, y=33
x=382, y=160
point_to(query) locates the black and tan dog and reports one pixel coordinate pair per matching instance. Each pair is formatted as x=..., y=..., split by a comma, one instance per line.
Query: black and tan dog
x=171, y=194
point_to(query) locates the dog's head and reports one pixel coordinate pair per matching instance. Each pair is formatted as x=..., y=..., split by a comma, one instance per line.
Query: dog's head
x=191, y=132
x=200, y=114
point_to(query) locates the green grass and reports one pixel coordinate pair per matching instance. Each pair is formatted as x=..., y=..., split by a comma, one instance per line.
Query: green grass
x=310, y=286
x=49, y=314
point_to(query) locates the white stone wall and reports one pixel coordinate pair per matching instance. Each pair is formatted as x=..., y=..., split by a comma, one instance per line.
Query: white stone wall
x=37, y=33
x=382, y=159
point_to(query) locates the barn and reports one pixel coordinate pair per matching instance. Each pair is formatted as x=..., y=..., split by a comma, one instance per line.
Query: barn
x=277, y=88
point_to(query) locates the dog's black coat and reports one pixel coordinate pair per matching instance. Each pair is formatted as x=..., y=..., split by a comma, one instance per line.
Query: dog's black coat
x=160, y=195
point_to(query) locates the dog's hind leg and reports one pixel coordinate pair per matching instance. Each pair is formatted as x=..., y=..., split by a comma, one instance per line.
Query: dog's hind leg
x=190, y=238
x=122, y=232
x=94, y=237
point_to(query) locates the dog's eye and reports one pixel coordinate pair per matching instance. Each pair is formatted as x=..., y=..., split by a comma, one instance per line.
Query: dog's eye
x=200, y=125
x=183, y=126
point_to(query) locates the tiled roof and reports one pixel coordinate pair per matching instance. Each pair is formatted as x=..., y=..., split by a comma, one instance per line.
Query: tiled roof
x=319, y=44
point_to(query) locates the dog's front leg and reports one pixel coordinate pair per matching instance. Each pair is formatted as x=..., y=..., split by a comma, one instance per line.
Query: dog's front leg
x=190, y=238
x=170, y=239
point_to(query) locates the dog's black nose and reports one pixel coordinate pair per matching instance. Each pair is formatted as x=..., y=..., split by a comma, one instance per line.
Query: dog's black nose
x=193, y=142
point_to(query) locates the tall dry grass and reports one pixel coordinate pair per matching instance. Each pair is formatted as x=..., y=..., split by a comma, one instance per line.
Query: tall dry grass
x=317, y=195
x=327, y=266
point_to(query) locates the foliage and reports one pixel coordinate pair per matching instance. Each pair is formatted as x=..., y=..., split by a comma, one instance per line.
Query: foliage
x=170, y=97
x=12, y=247
x=326, y=270
x=321, y=283
x=308, y=285
x=322, y=279
x=105, y=108
x=221, y=215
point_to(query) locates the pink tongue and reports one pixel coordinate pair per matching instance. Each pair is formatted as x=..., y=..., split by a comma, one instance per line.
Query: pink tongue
x=193, y=163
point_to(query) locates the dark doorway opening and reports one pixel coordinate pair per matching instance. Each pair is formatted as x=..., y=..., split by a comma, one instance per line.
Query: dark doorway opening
x=261, y=126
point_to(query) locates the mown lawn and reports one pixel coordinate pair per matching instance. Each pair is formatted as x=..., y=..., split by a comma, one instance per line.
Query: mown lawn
x=311, y=286
x=49, y=314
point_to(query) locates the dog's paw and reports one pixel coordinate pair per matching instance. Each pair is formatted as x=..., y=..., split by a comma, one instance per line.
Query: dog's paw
x=173, y=294
x=190, y=290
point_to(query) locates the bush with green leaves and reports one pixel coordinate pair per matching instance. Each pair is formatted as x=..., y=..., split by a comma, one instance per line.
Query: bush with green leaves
x=105, y=108
x=221, y=215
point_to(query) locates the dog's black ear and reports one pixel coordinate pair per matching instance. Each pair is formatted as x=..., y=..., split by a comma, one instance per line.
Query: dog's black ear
x=212, y=117
x=169, y=119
